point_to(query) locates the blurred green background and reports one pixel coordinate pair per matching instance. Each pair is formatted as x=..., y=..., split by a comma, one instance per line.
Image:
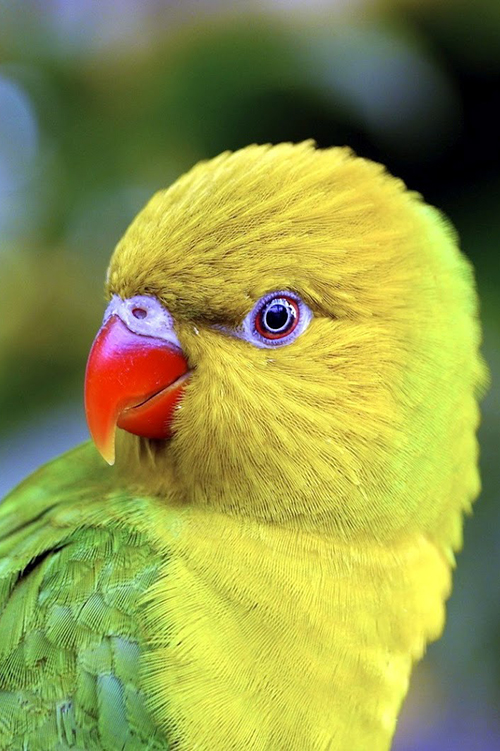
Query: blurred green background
x=102, y=102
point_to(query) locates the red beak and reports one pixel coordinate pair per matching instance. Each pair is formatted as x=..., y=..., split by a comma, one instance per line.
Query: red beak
x=133, y=381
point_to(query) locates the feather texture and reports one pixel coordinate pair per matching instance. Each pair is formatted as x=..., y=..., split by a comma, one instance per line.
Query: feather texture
x=267, y=577
x=70, y=618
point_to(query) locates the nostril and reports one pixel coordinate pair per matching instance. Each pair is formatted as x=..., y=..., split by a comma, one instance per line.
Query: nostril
x=139, y=313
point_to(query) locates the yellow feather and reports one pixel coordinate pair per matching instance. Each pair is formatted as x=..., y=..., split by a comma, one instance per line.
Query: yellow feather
x=312, y=496
x=265, y=639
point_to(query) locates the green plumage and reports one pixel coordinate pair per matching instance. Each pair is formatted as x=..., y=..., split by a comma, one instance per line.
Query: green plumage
x=70, y=607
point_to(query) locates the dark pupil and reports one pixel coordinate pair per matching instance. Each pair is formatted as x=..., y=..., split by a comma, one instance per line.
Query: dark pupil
x=276, y=317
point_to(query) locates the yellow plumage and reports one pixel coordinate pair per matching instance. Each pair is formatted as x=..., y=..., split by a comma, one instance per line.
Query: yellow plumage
x=314, y=493
x=375, y=406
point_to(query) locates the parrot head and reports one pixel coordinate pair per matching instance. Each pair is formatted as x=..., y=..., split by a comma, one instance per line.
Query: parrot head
x=291, y=335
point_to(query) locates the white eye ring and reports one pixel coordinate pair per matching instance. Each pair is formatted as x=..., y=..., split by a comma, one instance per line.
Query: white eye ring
x=276, y=319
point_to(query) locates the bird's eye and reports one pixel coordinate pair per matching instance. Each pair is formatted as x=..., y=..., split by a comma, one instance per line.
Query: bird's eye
x=276, y=319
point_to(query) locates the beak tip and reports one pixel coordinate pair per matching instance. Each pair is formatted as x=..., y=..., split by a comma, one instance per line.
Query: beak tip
x=109, y=459
x=106, y=448
x=108, y=453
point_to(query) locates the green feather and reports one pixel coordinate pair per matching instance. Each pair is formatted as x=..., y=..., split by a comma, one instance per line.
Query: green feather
x=71, y=589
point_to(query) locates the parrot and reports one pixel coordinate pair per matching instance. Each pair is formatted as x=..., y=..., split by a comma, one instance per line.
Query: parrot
x=257, y=544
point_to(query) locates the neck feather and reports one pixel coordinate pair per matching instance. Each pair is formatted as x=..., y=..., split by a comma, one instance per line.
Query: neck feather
x=269, y=638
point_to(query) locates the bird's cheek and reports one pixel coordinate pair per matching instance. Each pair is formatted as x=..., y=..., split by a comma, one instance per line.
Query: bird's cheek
x=133, y=382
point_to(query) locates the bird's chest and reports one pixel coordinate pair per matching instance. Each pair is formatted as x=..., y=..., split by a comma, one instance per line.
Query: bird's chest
x=268, y=640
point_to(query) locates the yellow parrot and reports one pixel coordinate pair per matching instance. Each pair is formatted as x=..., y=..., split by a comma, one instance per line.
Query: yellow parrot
x=289, y=361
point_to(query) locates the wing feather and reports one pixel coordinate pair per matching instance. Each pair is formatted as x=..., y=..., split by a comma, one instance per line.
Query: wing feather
x=70, y=617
